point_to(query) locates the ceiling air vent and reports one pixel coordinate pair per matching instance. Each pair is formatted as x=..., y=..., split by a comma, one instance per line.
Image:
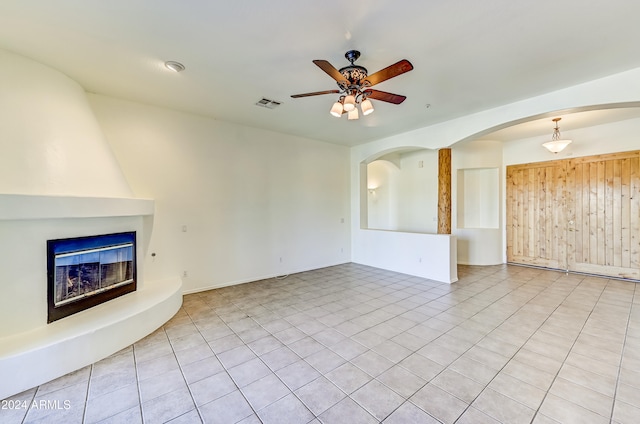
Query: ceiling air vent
x=269, y=104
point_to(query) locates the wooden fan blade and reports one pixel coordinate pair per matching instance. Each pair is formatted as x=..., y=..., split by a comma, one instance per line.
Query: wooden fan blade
x=394, y=70
x=315, y=93
x=331, y=71
x=396, y=99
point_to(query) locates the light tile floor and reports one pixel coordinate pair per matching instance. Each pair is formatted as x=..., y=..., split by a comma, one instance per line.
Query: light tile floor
x=354, y=344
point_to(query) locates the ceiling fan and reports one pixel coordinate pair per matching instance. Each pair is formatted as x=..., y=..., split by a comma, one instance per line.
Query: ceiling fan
x=355, y=84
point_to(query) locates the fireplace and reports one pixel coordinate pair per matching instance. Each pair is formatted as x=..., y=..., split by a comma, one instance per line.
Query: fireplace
x=83, y=272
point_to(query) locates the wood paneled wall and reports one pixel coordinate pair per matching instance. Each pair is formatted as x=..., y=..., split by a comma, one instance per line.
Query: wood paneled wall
x=578, y=214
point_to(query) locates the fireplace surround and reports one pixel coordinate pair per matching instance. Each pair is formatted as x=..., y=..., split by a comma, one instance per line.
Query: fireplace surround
x=33, y=351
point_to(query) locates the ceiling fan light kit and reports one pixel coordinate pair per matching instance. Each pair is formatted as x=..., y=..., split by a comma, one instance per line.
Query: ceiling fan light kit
x=355, y=84
x=557, y=144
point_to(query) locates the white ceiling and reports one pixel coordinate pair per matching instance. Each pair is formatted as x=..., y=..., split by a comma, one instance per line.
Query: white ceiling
x=468, y=55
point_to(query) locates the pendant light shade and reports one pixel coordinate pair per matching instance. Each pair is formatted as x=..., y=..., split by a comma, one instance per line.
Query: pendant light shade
x=557, y=144
x=353, y=114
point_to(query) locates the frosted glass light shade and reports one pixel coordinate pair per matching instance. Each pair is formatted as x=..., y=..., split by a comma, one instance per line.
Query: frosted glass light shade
x=353, y=114
x=556, y=146
x=349, y=103
x=336, y=109
x=367, y=107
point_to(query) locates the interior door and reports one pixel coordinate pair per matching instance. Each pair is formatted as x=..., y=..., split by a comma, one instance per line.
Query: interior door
x=536, y=230
x=603, y=198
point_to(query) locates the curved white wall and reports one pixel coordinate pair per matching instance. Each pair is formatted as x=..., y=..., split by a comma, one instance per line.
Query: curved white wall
x=51, y=142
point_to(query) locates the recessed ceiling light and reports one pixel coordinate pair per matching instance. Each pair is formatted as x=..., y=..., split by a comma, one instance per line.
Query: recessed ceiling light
x=174, y=66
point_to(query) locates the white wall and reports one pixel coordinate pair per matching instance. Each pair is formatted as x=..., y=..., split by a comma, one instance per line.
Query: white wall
x=50, y=141
x=478, y=198
x=255, y=203
x=477, y=246
x=382, y=197
x=423, y=255
x=406, y=196
x=417, y=188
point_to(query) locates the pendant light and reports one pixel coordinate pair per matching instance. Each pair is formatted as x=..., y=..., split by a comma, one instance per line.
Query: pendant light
x=557, y=144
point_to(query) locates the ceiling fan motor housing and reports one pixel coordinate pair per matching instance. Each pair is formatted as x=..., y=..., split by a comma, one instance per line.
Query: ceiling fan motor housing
x=354, y=74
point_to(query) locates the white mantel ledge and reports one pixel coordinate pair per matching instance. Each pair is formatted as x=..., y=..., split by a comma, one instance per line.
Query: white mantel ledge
x=24, y=206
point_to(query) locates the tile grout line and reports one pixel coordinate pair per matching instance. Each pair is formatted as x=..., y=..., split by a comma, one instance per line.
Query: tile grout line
x=35, y=392
x=624, y=348
x=135, y=365
x=86, y=402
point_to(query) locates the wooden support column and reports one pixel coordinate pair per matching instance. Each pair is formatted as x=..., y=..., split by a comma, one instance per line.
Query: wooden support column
x=444, y=191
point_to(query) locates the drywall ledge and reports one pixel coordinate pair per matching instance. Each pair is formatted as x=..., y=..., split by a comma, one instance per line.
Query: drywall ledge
x=37, y=356
x=24, y=206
